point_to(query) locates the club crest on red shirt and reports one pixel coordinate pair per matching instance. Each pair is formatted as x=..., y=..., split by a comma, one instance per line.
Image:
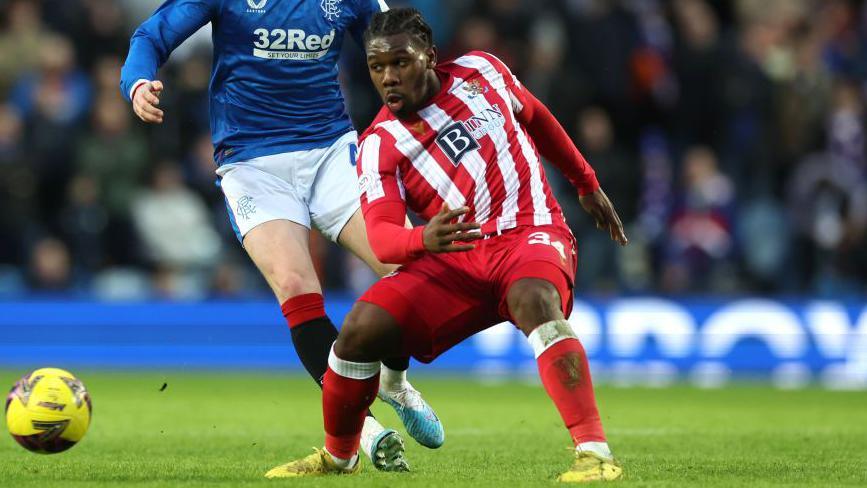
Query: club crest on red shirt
x=474, y=88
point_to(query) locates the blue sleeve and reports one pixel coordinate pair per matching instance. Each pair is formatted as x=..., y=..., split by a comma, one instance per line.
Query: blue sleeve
x=366, y=10
x=172, y=23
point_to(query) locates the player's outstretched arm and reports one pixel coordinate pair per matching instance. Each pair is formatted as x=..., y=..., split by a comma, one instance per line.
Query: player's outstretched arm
x=554, y=143
x=556, y=146
x=150, y=47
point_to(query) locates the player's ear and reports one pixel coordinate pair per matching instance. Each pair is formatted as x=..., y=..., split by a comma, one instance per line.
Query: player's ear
x=431, y=57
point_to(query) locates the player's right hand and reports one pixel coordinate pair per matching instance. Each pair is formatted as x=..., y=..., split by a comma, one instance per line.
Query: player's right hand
x=444, y=234
x=602, y=210
x=145, y=101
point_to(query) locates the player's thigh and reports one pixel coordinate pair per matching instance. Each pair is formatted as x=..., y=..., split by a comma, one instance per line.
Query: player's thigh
x=369, y=333
x=280, y=249
x=256, y=192
x=334, y=194
x=534, y=301
x=353, y=237
x=436, y=303
x=335, y=206
x=537, y=276
x=272, y=221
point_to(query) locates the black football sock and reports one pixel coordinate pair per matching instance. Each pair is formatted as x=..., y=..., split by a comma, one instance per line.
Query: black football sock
x=313, y=340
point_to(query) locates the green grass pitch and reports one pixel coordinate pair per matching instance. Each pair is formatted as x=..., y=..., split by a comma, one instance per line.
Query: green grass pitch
x=214, y=429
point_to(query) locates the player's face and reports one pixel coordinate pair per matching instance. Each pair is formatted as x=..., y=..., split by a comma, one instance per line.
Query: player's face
x=402, y=72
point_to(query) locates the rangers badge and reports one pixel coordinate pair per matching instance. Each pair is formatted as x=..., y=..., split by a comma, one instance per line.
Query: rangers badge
x=331, y=9
x=246, y=207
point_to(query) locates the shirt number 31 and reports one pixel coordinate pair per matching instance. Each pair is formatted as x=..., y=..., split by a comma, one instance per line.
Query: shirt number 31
x=545, y=238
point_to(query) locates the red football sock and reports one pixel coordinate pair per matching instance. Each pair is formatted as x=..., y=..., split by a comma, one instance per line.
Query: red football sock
x=566, y=375
x=303, y=308
x=344, y=406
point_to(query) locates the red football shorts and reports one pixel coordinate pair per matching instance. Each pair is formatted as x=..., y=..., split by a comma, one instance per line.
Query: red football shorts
x=441, y=299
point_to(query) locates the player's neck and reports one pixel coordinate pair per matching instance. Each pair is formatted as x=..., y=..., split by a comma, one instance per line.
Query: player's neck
x=434, y=84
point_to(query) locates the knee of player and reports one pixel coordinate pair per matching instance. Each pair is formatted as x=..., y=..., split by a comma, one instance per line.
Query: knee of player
x=368, y=334
x=533, y=302
x=352, y=342
x=288, y=284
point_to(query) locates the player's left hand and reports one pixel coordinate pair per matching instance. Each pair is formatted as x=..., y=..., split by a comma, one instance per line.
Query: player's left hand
x=600, y=208
x=443, y=233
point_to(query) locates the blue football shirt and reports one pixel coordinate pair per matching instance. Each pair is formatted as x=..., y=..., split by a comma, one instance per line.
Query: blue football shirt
x=273, y=85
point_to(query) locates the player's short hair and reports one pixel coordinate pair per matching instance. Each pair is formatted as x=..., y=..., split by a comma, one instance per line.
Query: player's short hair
x=400, y=21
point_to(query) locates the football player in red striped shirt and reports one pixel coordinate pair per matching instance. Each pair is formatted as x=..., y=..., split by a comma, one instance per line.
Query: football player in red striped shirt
x=459, y=143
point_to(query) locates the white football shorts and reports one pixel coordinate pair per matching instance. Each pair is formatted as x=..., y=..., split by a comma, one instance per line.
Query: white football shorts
x=316, y=186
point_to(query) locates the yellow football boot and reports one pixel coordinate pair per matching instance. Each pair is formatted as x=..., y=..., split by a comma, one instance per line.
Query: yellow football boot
x=589, y=466
x=317, y=464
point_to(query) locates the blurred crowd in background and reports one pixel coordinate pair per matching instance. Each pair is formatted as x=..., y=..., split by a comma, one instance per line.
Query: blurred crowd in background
x=729, y=134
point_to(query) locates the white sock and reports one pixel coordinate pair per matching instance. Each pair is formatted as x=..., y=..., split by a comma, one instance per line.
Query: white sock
x=369, y=431
x=600, y=448
x=392, y=379
x=344, y=463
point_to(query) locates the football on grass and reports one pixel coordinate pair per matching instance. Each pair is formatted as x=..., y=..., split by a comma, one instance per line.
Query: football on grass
x=48, y=411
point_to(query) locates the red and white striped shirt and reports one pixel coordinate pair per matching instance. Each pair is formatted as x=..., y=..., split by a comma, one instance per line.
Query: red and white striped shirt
x=467, y=147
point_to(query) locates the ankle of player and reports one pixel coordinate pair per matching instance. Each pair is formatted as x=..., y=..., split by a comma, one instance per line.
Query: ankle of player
x=392, y=380
x=344, y=463
x=600, y=448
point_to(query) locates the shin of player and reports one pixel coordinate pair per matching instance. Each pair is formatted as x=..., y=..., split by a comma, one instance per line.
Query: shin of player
x=352, y=380
x=348, y=390
x=538, y=305
x=565, y=374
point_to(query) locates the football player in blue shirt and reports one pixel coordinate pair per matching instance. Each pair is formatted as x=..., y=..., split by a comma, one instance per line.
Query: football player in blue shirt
x=285, y=151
